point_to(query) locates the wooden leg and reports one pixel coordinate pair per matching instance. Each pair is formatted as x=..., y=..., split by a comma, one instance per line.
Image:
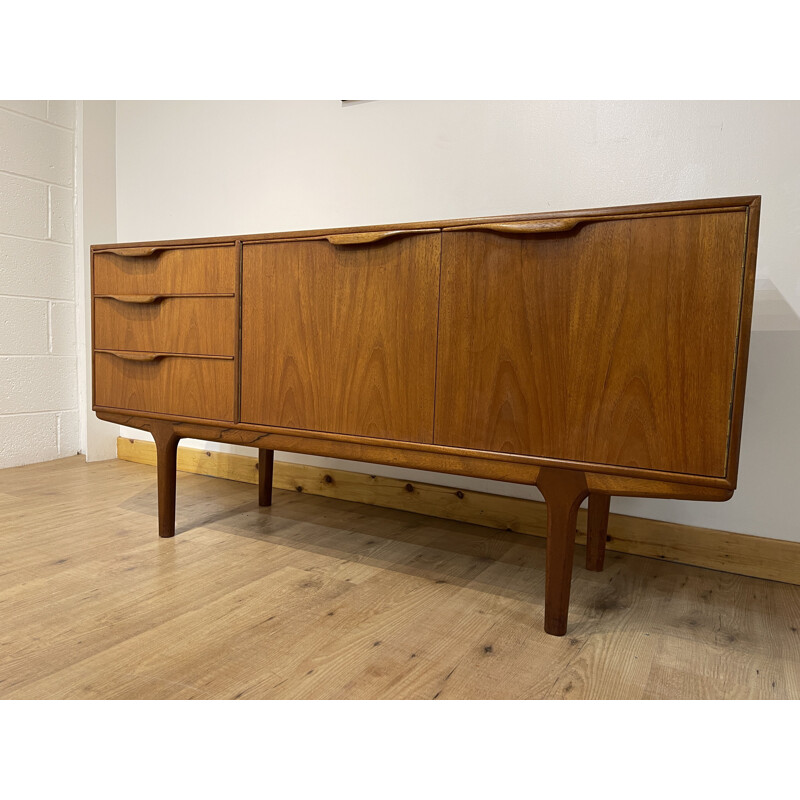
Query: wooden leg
x=265, y=463
x=596, y=531
x=564, y=491
x=167, y=451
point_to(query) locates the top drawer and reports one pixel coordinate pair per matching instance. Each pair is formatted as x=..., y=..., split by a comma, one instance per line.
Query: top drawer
x=186, y=270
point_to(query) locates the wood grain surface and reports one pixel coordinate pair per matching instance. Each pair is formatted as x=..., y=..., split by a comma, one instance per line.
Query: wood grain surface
x=341, y=339
x=182, y=270
x=318, y=598
x=608, y=476
x=201, y=325
x=168, y=385
x=613, y=343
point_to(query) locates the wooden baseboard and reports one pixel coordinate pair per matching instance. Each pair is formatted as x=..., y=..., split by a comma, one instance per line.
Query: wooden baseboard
x=774, y=559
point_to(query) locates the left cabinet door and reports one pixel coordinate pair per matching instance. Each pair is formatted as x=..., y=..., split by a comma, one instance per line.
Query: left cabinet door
x=341, y=338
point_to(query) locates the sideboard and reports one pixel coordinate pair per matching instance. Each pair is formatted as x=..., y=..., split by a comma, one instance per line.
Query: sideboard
x=590, y=353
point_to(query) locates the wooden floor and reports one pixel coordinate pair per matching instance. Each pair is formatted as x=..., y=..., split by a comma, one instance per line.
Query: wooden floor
x=321, y=598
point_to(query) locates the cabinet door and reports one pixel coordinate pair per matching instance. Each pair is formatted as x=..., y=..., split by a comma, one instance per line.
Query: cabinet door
x=611, y=344
x=341, y=338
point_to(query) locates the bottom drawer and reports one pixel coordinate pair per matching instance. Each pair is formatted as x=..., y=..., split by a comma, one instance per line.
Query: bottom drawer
x=168, y=384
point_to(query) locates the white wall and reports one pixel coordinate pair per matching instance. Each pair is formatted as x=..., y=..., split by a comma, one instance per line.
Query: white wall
x=187, y=169
x=96, y=222
x=39, y=417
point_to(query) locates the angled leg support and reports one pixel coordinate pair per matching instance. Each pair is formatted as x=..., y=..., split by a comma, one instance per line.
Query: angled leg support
x=265, y=466
x=564, y=491
x=597, y=531
x=167, y=452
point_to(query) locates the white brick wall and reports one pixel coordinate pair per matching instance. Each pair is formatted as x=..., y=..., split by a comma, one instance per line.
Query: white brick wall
x=38, y=360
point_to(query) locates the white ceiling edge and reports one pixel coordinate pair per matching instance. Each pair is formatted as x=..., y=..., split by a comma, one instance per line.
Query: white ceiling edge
x=771, y=310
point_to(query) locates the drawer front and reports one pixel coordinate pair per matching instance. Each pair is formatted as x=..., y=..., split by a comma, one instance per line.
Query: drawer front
x=179, y=385
x=188, y=270
x=341, y=338
x=612, y=344
x=200, y=325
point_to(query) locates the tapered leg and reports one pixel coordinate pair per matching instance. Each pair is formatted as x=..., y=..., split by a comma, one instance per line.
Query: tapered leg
x=265, y=463
x=167, y=451
x=564, y=491
x=596, y=531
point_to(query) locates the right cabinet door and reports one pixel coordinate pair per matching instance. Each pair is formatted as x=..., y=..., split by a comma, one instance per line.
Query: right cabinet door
x=613, y=343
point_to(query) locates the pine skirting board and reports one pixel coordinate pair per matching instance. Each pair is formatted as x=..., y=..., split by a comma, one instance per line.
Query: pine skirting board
x=758, y=557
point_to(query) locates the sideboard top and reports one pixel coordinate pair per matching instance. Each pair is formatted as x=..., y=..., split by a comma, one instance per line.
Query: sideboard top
x=654, y=209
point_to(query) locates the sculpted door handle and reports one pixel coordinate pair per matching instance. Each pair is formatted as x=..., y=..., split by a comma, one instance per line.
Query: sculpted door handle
x=368, y=237
x=526, y=226
x=129, y=356
x=134, y=252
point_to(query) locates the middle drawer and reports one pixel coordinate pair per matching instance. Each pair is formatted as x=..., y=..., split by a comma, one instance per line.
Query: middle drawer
x=165, y=324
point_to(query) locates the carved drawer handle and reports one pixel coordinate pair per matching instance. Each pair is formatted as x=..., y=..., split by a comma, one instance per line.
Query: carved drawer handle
x=529, y=226
x=134, y=355
x=129, y=356
x=141, y=299
x=368, y=237
x=133, y=252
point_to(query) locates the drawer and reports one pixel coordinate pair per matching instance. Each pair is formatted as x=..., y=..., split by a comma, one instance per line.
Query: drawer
x=187, y=270
x=185, y=386
x=201, y=325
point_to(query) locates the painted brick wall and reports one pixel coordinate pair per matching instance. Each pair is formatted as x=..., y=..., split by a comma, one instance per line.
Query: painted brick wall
x=38, y=361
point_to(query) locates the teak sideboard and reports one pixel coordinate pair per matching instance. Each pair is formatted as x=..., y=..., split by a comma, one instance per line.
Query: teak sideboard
x=590, y=353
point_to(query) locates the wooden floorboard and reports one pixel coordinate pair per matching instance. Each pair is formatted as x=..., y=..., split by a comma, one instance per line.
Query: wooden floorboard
x=323, y=598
